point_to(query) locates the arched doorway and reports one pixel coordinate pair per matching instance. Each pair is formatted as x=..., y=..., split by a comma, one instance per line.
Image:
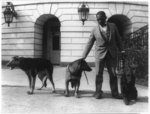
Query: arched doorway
x=123, y=24
x=47, y=38
x=51, y=40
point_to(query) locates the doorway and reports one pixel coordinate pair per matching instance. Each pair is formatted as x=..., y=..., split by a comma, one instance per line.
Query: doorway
x=51, y=40
x=123, y=24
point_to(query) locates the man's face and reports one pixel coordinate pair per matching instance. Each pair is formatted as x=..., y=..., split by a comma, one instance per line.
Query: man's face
x=101, y=19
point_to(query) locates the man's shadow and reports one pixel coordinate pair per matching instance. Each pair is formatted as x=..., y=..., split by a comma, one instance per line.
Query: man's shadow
x=142, y=99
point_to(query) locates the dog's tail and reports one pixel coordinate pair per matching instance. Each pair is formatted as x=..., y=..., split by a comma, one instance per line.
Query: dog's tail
x=45, y=79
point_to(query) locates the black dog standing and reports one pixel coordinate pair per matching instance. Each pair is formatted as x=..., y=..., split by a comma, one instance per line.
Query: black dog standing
x=33, y=67
x=73, y=75
x=128, y=89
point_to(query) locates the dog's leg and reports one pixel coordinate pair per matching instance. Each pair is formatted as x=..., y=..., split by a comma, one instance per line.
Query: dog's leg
x=40, y=75
x=43, y=83
x=29, y=78
x=51, y=80
x=50, y=76
x=77, y=90
x=67, y=88
x=32, y=85
x=33, y=78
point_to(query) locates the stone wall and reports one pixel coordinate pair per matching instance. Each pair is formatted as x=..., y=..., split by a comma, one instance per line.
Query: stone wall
x=24, y=36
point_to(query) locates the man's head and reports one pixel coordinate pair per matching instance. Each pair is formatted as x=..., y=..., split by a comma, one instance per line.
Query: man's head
x=101, y=17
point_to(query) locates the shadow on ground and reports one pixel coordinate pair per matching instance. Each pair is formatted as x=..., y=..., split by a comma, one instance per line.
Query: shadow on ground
x=82, y=93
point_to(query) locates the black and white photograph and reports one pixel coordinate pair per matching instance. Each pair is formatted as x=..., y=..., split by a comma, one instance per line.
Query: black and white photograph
x=74, y=56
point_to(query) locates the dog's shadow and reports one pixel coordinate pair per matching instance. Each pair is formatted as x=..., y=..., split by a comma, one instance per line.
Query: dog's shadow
x=142, y=99
x=82, y=93
x=88, y=93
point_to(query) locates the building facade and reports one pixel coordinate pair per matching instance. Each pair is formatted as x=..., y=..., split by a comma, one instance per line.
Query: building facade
x=53, y=30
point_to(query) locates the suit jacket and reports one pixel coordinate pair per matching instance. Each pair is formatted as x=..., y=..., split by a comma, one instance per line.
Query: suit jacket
x=103, y=45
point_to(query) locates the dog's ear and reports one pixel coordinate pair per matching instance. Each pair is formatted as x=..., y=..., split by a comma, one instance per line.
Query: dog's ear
x=16, y=58
x=75, y=67
x=85, y=66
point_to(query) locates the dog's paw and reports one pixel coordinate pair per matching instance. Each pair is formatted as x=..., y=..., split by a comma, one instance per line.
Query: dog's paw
x=39, y=88
x=29, y=92
x=53, y=91
x=76, y=95
x=66, y=95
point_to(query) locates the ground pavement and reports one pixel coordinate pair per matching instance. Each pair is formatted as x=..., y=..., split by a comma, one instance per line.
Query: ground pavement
x=15, y=99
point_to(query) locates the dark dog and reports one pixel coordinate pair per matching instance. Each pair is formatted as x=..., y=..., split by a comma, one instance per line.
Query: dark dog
x=128, y=89
x=73, y=75
x=32, y=67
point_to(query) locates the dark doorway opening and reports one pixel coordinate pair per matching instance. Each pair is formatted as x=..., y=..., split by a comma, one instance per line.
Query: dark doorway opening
x=51, y=40
x=123, y=24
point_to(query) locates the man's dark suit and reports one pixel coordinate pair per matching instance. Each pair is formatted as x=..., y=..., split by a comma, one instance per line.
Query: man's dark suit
x=106, y=49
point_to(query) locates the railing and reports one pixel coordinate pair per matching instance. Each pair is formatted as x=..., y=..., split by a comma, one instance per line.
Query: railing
x=135, y=53
x=137, y=40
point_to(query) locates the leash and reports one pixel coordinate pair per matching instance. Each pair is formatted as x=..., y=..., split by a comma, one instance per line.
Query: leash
x=86, y=77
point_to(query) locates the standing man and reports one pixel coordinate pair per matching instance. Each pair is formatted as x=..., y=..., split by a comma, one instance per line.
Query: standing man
x=108, y=42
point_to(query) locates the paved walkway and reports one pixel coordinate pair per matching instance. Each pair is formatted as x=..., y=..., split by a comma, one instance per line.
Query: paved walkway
x=15, y=99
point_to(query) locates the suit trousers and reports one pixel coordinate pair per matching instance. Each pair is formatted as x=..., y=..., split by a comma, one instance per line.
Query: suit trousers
x=111, y=64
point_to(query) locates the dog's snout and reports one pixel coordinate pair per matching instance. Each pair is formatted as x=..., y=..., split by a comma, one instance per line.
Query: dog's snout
x=89, y=69
x=85, y=66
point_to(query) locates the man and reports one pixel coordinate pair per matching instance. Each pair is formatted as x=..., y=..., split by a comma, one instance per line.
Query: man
x=108, y=42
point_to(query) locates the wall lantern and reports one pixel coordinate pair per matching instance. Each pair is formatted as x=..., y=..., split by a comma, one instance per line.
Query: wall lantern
x=9, y=13
x=83, y=11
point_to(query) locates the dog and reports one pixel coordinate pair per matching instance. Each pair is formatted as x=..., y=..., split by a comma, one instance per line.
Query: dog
x=73, y=75
x=128, y=89
x=32, y=67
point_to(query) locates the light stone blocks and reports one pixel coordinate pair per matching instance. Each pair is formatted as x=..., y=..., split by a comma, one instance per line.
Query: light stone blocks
x=24, y=37
x=65, y=40
x=71, y=46
x=65, y=53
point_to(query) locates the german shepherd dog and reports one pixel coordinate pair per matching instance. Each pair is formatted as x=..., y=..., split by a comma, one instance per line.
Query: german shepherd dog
x=32, y=67
x=73, y=75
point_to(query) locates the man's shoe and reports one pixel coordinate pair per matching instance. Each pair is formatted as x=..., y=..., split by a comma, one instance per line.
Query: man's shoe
x=117, y=96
